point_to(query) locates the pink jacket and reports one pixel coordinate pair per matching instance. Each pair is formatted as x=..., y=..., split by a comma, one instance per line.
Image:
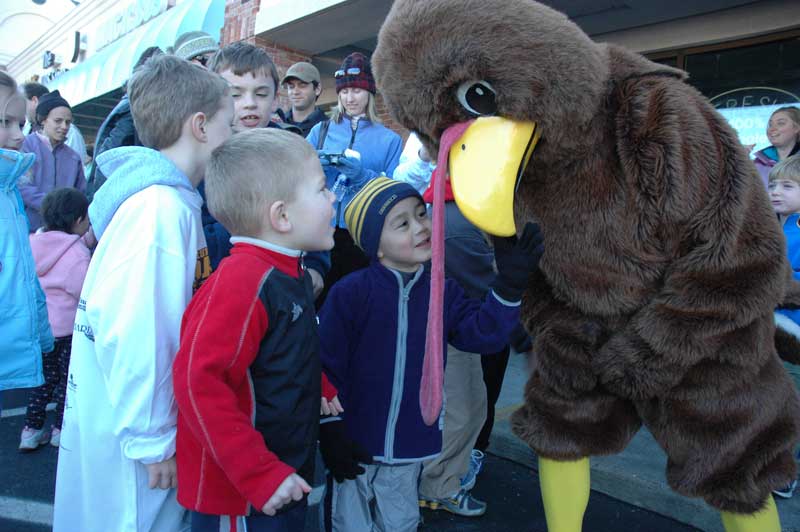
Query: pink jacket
x=61, y=261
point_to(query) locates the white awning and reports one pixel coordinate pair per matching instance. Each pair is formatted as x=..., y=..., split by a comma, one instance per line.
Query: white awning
x=111, y=67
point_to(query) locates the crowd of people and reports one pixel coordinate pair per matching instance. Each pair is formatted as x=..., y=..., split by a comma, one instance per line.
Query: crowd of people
x=235, y=287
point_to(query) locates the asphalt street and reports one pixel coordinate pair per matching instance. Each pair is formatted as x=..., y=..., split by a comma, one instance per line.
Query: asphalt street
x=511, y=491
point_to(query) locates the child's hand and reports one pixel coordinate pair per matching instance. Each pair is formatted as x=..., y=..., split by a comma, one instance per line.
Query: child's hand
x=291, y=489
x=90, y=238
x=342, y=456
x=516, y=258
x=332, y=408
x=162, y=475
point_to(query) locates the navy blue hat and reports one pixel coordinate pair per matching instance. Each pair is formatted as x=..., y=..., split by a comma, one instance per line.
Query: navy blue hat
x=48, y=102
x=367, y=211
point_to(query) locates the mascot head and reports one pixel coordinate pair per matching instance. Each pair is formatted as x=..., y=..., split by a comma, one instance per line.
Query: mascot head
x=508, y=76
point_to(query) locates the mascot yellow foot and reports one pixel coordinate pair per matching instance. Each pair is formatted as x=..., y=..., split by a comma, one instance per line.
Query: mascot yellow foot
x=565, y=493
x=765, y=520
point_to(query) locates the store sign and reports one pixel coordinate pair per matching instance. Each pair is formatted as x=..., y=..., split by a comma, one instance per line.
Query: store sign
x=131, y=15
x=748, y=110
x=48, y=59
x=753, y=96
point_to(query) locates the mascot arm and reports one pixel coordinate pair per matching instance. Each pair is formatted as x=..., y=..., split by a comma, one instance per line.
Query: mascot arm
x=695, y=194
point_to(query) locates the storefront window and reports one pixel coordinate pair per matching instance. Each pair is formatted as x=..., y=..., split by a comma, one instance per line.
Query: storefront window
x=747, y=83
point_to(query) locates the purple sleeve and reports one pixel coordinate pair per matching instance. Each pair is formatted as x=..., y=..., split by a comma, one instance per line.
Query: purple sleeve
x=478, y=326
x=80, y=180
x=31, y=195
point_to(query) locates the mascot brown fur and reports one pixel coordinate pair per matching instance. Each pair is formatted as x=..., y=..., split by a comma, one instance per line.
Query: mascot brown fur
x=663, y=259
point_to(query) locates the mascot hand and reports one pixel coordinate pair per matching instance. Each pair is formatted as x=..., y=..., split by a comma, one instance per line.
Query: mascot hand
x=341, y=454
x=516, y=258
x=630, y=369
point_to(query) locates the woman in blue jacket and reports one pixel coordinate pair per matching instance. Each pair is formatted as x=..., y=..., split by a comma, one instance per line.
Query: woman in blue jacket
x=363, y=149
x=24, y=329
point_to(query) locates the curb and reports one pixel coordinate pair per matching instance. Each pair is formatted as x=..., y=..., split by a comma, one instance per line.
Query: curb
x=636, y=476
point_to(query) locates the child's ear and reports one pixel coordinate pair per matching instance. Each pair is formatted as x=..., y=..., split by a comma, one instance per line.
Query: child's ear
x=279, y=217
x=198, y=123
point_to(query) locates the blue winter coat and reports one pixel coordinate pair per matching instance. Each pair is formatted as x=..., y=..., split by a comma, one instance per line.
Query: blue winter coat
x=24, y=329
x=372, y=343
x=791, y=229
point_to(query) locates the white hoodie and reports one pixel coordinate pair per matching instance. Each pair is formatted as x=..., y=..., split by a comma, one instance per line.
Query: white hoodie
x=120, y=412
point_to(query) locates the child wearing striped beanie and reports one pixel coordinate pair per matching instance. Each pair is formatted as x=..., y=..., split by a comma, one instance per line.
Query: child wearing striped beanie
x=366, y=216
x=373, y=333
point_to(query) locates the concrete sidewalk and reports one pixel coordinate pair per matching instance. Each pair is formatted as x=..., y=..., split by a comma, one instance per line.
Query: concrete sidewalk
x=635, y=476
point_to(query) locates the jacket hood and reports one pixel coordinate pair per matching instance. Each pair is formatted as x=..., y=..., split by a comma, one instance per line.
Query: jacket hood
x=13, y=164
x=48, y=247
x=129, y=170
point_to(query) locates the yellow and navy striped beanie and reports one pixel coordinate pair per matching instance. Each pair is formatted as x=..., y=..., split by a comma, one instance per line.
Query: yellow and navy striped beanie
x=367, y=211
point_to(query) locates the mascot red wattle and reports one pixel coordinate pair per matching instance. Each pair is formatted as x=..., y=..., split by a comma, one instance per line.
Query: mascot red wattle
x=663, y=261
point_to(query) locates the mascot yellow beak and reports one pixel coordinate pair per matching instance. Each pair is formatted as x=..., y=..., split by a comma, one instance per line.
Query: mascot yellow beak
x=486, y=164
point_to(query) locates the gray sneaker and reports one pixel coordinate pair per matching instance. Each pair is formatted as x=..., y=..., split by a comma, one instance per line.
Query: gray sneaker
x=463, y=503
x=31, y=439
x=475, y=465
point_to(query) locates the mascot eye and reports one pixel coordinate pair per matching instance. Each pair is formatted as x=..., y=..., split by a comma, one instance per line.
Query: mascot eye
x=477, y=97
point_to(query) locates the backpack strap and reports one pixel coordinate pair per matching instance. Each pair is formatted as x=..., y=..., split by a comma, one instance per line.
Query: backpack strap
x=323, y=132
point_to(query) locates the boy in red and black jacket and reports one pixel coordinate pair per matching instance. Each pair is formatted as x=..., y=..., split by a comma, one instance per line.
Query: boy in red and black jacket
x=247, y=377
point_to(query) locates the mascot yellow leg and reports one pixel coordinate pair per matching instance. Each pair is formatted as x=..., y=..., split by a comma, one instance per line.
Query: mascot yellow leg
x=764, y=520
x=565, y=493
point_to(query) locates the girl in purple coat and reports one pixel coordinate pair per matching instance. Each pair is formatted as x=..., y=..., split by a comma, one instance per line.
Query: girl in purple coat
x=57, y=165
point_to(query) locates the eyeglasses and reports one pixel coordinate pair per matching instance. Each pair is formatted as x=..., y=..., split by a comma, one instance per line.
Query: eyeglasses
x=350, y=72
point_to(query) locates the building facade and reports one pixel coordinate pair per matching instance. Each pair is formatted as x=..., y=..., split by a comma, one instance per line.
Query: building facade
x=743, y=55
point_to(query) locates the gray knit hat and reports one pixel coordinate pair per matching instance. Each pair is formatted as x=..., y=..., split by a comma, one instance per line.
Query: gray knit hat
x=194, y=43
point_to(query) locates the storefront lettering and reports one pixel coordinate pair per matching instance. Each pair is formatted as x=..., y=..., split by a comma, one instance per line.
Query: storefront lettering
x=753, y=97
x=133, y=14
x=748, y=110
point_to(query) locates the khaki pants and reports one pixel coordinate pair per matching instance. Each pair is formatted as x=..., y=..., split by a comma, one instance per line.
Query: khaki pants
x=464, y=415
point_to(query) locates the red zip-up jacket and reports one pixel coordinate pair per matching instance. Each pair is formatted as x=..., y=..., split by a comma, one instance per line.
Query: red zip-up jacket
x=224, y=463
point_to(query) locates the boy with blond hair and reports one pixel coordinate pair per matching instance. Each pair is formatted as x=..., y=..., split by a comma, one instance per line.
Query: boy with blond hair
x=784, y=193
x=247, y=375
x=116, y=468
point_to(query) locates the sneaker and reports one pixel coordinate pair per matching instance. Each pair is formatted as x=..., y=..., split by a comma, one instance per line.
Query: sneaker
x=55, y=437
x=786, y=491
x=31, y=439
x=463, y=504
x=475, y=465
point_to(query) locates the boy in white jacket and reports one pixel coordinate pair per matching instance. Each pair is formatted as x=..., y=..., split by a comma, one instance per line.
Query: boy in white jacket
x=116, y=467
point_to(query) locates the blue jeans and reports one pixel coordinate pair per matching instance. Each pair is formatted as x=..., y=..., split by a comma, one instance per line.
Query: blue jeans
x=291, y=520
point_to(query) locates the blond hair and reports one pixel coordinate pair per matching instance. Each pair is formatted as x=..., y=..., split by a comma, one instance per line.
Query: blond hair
x=252, y=170
x=786, y=170
x=165, y=91
x=337, y=112
x=8, y=91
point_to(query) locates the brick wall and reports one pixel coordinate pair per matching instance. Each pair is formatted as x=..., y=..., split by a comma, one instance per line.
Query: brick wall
x=240, y=25
x=387, y=120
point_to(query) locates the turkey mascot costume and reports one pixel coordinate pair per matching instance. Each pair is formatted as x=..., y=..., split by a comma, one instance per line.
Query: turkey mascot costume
x=663, y=261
